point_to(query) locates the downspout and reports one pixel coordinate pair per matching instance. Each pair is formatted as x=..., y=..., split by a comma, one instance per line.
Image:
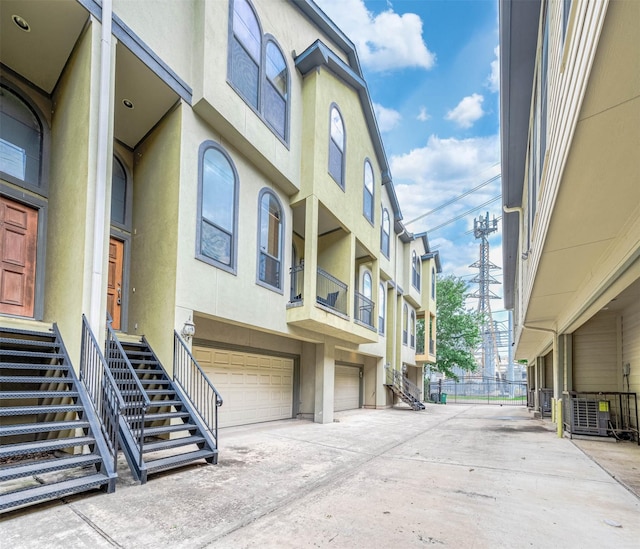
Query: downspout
x=556, y=408
x=104, y=100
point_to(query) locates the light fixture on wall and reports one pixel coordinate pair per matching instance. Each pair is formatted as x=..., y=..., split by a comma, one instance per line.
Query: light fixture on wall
x=189, y=329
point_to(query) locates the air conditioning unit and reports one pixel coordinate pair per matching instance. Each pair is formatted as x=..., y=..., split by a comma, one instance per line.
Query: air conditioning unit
x=589, y=417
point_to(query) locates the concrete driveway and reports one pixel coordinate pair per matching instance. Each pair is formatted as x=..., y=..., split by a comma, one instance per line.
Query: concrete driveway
x=452, y=476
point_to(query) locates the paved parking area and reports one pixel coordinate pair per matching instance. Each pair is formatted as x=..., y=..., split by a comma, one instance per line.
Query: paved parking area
x=451, y=476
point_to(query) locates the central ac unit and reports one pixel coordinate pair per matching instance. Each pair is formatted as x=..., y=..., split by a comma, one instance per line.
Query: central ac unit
x=590, y=417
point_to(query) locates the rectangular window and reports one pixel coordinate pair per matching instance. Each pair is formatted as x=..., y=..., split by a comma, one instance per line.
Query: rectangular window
x=245, y=74
x=335, y=163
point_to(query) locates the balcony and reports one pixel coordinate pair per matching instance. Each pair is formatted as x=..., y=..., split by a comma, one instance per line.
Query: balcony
x=328, y=312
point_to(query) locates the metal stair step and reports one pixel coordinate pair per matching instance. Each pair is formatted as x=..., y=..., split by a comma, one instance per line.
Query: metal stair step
x=171, y=462
x=46, y=466
x=155, y=381
x=13, y=342
x=4, y=395
x=27, y=428
x=33, y=333
x=8, y=450
x=52, y=491
x=164, y=430
x=164, y=416
x=172, y=443
x=30, y=354
x=155, y=404
x=37, y=410
x=31, y=366
x=35, y=379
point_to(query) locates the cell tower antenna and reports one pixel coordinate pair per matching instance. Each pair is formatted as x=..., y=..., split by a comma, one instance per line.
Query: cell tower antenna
x=482, y=228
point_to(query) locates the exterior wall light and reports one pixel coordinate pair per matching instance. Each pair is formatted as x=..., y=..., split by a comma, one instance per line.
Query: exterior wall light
x=188, y=330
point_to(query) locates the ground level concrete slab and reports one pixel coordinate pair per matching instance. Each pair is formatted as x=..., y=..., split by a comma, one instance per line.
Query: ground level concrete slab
x=452, y=476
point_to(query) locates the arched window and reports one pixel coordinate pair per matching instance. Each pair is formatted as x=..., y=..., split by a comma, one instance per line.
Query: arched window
x=119, y=194
x=218, y=199
x=433, y=282
x=366, y=313
x=246, y=52
x=368, y=191
x=276, y=89
x=412, y=329
x=336, y=147
x=405, y=321
x=22, y=147
x=257, y=68
x=415, y=270
x=270, y=240
x=385, y=232
x=382, y=307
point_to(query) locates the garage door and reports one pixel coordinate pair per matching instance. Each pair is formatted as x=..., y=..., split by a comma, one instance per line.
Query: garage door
x=254, y=387
x=346, y=389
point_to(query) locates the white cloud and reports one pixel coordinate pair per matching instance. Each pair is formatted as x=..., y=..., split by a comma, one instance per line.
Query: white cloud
x=386, y=41
x=468, y=111
x=493, y=81
x=423, y=115
x=387, y=118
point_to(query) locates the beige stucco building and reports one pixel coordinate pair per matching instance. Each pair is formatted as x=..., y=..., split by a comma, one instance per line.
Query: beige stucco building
x=571, y=191
x=213, y=165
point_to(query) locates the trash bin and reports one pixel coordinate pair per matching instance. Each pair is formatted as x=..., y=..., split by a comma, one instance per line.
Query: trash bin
x=443, y=398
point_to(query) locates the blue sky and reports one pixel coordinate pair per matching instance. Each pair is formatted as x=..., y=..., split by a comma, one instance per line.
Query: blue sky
x=432, y=71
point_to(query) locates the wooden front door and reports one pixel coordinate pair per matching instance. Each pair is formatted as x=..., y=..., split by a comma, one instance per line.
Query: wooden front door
x=18, y=245
x=114, y=283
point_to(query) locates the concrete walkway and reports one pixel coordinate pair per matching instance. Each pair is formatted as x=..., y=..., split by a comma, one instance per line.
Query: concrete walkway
x=452, y=476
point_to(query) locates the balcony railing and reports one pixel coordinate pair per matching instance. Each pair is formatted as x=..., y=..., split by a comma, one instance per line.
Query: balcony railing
x=331, y=292
x=420, y=346
x=363, y=309
x=297, y=283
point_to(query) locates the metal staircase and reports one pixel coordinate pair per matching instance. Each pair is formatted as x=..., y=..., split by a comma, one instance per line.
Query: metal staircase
x=403, y=388
x=160, y=426
x=51, y=439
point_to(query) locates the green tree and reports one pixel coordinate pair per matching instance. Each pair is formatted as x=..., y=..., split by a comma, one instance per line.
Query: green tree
x=458, y=330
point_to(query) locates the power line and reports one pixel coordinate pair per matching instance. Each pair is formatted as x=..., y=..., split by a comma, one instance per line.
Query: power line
x=455, y=199
x=494, y=199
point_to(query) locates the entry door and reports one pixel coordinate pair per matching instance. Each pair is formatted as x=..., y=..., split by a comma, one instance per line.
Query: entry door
x=114, y=282
x=18, y=243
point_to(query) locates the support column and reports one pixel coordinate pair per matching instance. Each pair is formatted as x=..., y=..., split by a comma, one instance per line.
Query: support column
x=325, y=375
x=381, y=390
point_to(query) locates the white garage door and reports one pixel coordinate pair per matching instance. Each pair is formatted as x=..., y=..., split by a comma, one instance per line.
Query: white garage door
x=254, y=387
x=346, y=390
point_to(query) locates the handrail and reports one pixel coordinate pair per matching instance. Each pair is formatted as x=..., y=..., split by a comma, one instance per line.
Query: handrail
x=135, y=397
x=331, y=292
x=197, y=386
x=363, y=309
x=395, y=378
x=102, y=388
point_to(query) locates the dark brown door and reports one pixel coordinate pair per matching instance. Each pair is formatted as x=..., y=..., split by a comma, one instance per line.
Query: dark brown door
x=114, y=283
x=18, y=244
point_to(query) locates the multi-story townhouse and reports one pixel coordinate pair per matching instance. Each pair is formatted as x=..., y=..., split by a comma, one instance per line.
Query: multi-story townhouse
x=571, y=191
x=209, y=167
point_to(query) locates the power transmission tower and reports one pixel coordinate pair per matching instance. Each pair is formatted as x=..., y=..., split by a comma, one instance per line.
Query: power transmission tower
x=482, y=228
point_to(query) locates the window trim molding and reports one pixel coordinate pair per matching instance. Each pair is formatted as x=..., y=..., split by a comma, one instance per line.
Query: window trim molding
x=365, y=190
x=343, y=167
x=266, y=38
x=45, y=143
x=128, y=202
x=387, y=252
x=264, y=191
x=232, y=268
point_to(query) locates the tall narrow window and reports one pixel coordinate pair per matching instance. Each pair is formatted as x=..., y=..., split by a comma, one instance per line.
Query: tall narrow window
x=433, y=282
x=415, y=270
x=276, y=89
x=382, y=307
x=385, y=231
x=246, y=52
x=217, y=220
x=405, y=321
x=412, y=329
x=270, y=252
x=336, y=147
x=118, y=193
x=368, y=191
x=21, y=141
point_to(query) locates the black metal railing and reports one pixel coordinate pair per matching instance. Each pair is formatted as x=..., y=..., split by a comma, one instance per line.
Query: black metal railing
x=297, y=283
x=331, y=292
x=363, y=309
x=485, y=391
x=188, y=374
x=136, y=401
x=396, y=378
x=102, y=388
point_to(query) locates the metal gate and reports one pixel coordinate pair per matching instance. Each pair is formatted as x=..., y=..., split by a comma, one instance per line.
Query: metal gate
x=486, y=391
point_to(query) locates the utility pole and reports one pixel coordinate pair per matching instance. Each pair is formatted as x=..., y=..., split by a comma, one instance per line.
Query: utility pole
x=482, y=228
